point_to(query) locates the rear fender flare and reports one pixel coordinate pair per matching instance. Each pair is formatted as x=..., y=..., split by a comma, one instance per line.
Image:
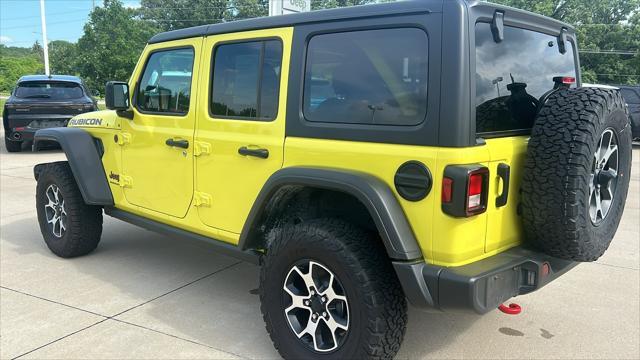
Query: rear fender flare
x=84, y=159
x=372, y=192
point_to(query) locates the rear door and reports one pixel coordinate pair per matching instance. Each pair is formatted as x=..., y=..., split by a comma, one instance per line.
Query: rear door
x=511, y=77
x=157, y=156
x=241, y=122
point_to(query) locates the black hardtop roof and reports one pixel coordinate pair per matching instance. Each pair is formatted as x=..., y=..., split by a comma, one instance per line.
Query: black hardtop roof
x=353, y=12
x=67, y=78
x=362, y=11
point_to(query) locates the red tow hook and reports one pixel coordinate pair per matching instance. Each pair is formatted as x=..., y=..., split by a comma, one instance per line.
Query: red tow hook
x=512, y=309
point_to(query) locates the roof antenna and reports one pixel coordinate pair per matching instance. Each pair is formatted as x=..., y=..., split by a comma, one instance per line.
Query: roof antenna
x=512, y=80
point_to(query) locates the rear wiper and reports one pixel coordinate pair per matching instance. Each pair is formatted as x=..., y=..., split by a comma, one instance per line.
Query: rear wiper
x=37, y=96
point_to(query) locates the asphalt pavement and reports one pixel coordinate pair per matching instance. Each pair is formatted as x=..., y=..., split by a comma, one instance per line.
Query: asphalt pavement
x=141, y=295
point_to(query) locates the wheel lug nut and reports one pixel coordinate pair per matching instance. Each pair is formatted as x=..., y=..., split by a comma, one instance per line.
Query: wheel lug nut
x=306, y=302
x=324, y=313
x=312, y=292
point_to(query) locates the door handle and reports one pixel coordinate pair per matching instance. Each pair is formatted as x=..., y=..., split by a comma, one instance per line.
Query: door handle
x=259, y=153
x=504, y=173
x=177, y=143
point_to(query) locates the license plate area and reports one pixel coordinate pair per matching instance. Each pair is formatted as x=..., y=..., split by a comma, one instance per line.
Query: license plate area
x=45, y=123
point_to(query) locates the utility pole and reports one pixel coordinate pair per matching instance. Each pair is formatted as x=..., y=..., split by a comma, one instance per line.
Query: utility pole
x=45, y=44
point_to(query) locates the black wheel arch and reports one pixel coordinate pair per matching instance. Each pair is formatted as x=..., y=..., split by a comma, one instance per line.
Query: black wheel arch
x=84, y=157
x=372, y=193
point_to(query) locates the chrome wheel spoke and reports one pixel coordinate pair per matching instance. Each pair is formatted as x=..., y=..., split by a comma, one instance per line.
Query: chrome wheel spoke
x=310, y=329
x=334, y=325
x=297, y=301
x=612, y=149
x=308, y=281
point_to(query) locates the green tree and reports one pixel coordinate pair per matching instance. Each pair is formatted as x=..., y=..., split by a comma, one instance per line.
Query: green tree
x=178, y=14
x=111, y=44
x=329, y=4
x=16, y=62
x=63, y=58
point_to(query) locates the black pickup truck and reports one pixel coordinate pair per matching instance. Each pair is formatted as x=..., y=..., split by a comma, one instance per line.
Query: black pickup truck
x=40, y=101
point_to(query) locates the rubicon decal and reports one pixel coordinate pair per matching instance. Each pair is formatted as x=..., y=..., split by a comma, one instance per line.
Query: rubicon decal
x=89, y=122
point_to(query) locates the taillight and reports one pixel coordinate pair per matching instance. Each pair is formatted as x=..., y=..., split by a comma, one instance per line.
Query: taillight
x=464, y=190
x=447, y=189
x=476, y=199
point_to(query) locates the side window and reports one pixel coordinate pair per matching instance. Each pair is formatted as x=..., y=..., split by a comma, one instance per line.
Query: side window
x=511, y=76
x=367, y=77
x=165, y=86
x=246, y=80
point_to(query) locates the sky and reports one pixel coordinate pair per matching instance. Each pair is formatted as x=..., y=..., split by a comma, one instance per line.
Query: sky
x=20, y=20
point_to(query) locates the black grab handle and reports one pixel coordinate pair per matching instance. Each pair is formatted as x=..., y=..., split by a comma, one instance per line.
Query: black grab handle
x=178, y=143
x=259, y=153
x=504, y=173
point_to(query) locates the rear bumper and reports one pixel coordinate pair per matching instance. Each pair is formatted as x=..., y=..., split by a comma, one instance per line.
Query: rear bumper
x=480, y=286
x=24, y=128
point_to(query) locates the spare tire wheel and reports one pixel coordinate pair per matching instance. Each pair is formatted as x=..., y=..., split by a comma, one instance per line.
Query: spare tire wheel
x=576, y=174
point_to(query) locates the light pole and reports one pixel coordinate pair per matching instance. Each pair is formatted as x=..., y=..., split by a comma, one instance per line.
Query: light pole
x=45, y=44
x=495, y=82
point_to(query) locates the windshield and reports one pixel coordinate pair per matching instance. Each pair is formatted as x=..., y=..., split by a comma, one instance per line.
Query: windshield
x=55, y=90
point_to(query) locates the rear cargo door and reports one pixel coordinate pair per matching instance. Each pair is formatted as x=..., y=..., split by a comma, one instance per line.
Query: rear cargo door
x=511, y=77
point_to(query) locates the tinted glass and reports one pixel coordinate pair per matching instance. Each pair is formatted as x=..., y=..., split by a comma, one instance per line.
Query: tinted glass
x=512, y=75
x=367, y=77
x=630, y=96
x=165, y=86
x=246, y=80
x=49, y=90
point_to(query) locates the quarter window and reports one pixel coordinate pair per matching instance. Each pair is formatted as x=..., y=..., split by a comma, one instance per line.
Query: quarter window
x=367, y=77
x=246, y=80
x=165, y=86
x=512, y=76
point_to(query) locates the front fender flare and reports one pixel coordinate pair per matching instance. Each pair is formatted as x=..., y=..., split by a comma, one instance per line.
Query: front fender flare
x=84, y=160
x=372, y=192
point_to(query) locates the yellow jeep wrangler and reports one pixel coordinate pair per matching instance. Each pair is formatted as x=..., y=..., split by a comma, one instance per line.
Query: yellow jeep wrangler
x=440, y=152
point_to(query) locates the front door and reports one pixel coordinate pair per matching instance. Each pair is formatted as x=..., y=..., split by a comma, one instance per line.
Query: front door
x=157, y=156
x=241, y=117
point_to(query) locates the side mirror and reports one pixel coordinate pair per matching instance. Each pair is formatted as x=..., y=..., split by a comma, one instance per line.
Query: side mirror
x=116, y=95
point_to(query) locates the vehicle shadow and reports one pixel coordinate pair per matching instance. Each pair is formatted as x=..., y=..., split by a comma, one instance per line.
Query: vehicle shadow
x=132, y=266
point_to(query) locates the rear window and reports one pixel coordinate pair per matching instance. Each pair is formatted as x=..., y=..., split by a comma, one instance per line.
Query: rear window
x=49, y=90
x=511, y=76
x=367, y=77
x=630, y=96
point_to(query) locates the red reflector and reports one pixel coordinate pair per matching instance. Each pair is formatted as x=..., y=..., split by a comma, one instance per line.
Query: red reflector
x=545, y=269
x=21, y=128
x=447, y=189
x=475, y=184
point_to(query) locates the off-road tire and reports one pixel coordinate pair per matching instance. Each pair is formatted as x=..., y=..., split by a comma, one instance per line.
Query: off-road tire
x=84, y=222
x=557, y=175
x=377, y=305
x=12, y=145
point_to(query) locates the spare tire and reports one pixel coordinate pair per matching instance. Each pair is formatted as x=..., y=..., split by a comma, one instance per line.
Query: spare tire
x=576, y=174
